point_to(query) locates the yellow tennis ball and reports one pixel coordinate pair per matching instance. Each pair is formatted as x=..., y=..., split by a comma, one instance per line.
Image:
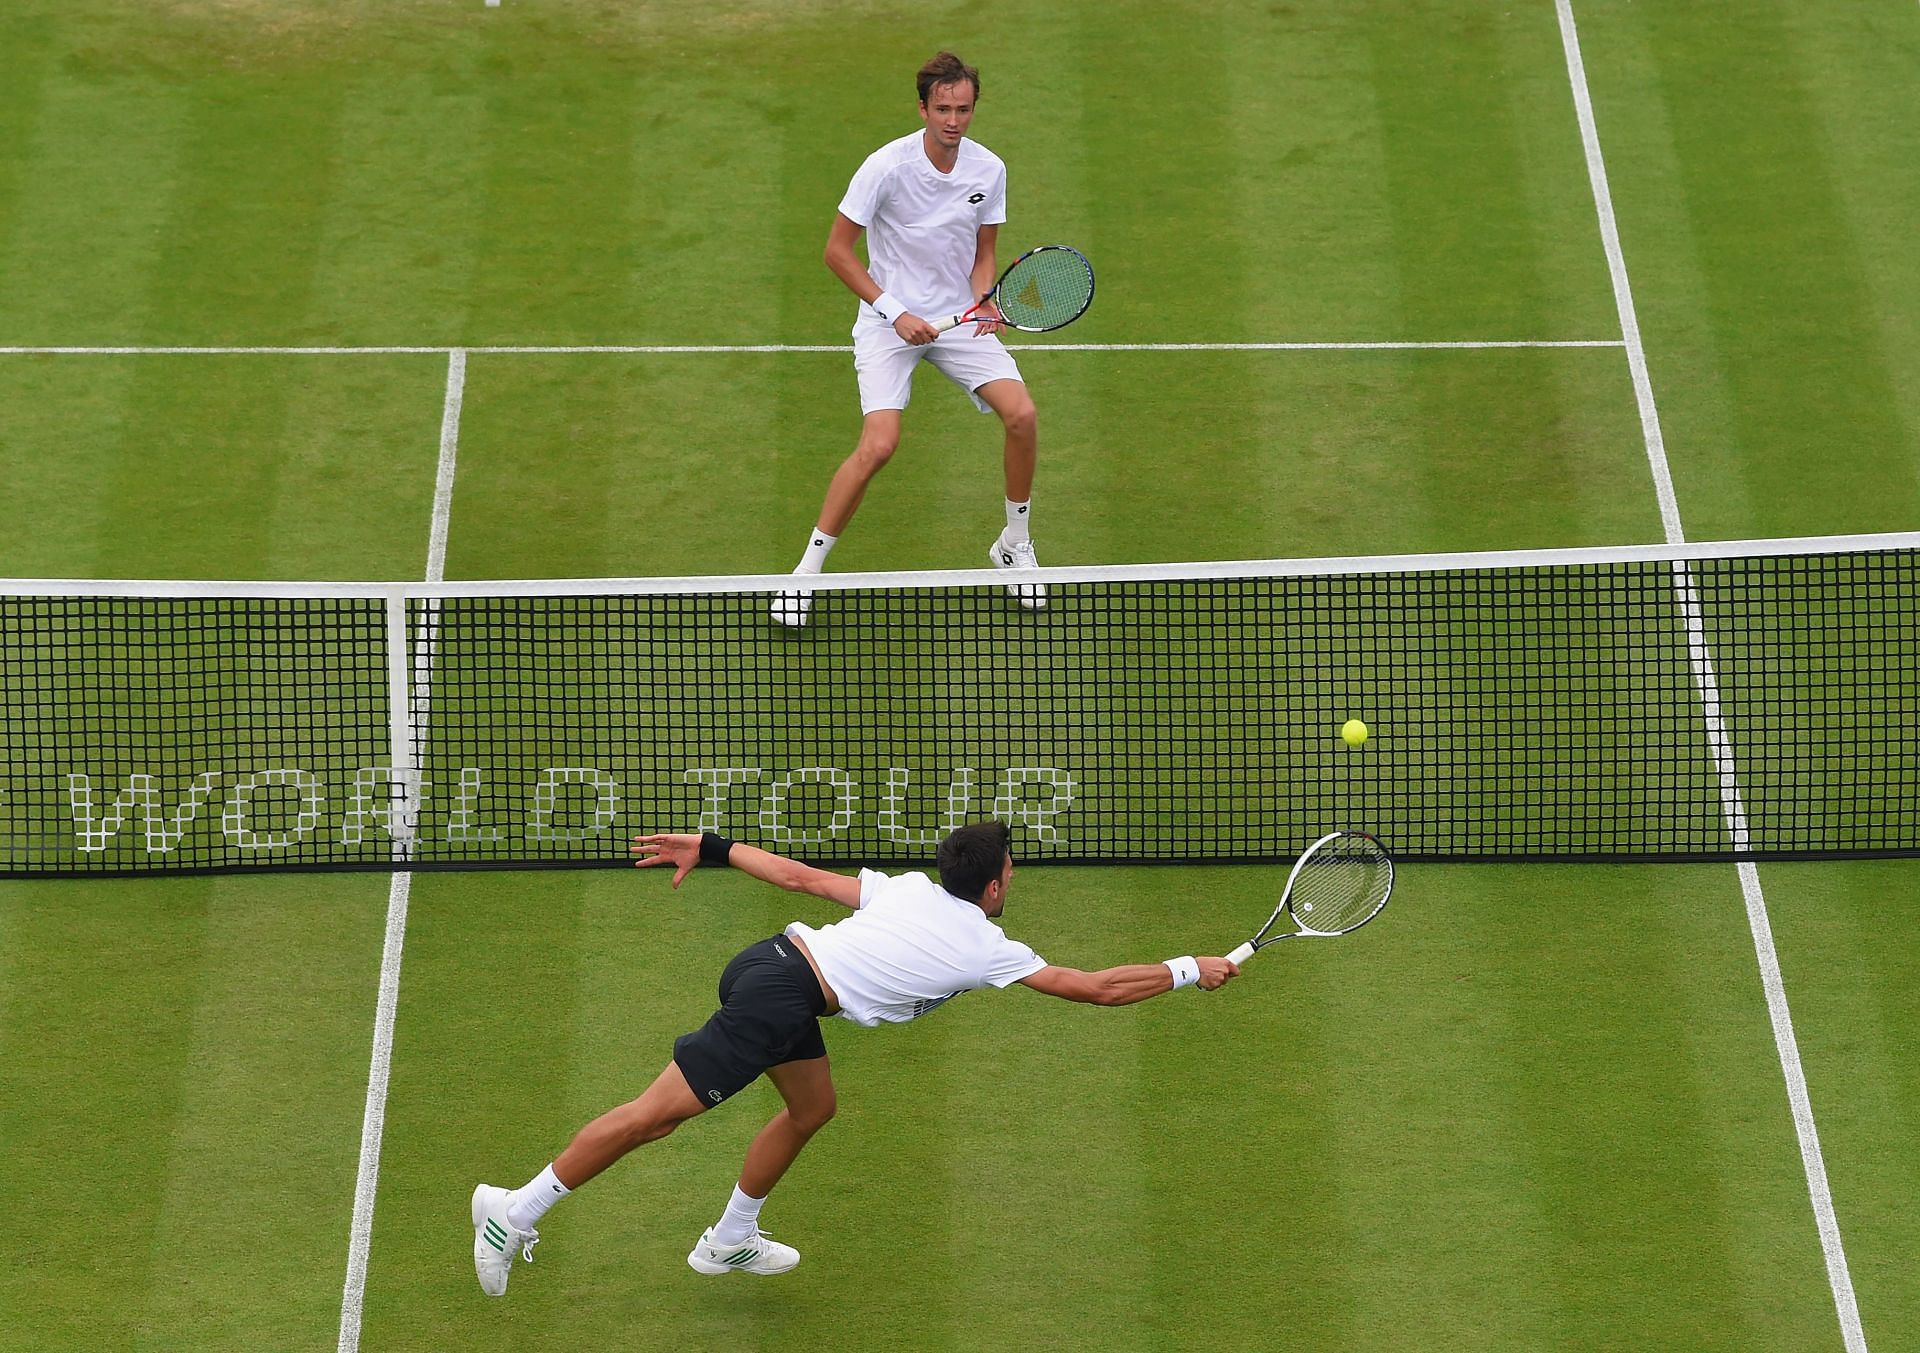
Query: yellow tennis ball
x=1353, y=732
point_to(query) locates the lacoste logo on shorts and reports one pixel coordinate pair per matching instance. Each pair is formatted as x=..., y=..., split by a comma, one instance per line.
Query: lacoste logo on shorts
x=977, y=199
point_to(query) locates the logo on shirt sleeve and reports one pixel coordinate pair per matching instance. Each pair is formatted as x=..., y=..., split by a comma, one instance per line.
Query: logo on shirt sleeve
x=976, y=199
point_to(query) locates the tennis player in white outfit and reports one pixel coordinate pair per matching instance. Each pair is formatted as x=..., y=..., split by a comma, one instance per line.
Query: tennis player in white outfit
x=910, y=946
x=931, y=205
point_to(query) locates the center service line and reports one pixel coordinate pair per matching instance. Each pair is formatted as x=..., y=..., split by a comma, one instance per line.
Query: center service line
x=1846, y=1305
x=399, y=889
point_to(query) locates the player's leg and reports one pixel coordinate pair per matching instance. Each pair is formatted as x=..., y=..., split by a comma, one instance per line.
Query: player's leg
x=735, y=1243
x=879, y=439
x=982, y=366
x=1014, y=548
x=504, y=1220
x=800, y=1072
x=1009, y=399
x=664, y=1106
x=807, y=1088
x=884, y=363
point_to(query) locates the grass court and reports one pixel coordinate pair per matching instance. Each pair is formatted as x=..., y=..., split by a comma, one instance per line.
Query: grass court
x=1534, y=1106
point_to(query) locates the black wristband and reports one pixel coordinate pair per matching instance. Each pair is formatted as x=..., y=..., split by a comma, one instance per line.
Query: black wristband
x=714, y=848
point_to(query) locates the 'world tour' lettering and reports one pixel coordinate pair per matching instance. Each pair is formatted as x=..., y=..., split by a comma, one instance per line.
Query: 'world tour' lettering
x=283, y=807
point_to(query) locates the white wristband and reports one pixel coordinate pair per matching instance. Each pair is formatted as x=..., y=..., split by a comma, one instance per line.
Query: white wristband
x=1185, y=970
x=885, y=306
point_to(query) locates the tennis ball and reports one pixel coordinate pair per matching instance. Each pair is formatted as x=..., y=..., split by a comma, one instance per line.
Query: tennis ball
x=1353, y=732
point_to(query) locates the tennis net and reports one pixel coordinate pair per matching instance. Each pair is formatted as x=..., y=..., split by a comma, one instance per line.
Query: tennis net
x=1749, y=700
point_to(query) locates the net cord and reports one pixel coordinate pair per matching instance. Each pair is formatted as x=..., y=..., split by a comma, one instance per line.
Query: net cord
x=1363, y=565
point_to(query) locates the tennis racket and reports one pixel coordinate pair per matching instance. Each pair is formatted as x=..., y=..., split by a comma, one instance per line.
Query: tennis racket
x=1339, y=883
x=1044, y=288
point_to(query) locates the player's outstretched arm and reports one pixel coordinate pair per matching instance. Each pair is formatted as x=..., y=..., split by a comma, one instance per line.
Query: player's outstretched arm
x=682, y=852
x=1125, y=985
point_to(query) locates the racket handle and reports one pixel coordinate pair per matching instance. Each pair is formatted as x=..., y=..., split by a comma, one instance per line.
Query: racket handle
x=951, y=322
x=1242, y=954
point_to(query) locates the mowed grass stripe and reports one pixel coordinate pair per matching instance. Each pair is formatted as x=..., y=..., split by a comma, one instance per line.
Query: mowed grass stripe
x=76, y=268
x=91, y=1091
x=261, y=1150
x=1466, y=247
x=95, y=167
x=232, y=265
x=1594, y=1087
x=1695, y=397
x=1859, y=93
x=558, y=255
x=217, y=1093
x=622, y=466
x=483, y=1070
x=1167, y=271
x=29, y=42
x=241, y=264
x=1790, y=296
x=220, y=467
x=1460, y=197
x=402, y=216
x=1854, y=976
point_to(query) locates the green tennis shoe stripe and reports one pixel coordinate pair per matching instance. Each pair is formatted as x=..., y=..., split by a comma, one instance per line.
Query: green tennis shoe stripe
x=739, y=1256
x=494, y=1236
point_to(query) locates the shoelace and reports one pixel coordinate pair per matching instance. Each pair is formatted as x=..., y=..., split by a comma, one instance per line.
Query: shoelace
x=528, y=1239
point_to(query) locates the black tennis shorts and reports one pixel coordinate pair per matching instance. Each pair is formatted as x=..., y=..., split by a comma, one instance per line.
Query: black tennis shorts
x=770, y=1009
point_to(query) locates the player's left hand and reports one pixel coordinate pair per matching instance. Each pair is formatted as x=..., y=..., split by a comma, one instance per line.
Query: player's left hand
x=989, y=326
x=682, y=852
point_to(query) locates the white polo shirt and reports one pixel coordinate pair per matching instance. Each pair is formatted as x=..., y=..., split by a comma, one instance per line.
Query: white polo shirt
x=911, y=946
x=923, y=226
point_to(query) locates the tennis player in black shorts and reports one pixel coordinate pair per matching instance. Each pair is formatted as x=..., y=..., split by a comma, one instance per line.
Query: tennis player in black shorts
x=910, y=946
x=771, y=1005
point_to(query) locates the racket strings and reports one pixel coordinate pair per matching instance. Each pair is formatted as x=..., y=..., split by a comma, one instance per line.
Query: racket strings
x=1341, y=885
x=1045, y=289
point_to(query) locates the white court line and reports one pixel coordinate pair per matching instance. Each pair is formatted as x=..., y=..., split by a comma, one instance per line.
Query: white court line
x=1846, y=1306
x=409, y=715
x=443, y=471
x=680, y=349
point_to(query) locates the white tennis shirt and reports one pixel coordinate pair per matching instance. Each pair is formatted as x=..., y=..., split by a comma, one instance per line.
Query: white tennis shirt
x=911, y=946
x=923, y=226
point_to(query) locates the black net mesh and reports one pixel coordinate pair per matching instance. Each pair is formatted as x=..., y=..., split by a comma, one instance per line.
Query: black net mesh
x=1751, y=707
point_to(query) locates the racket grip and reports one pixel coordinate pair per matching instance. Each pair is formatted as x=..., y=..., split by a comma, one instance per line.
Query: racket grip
x=951, y=322
x=1241, y=955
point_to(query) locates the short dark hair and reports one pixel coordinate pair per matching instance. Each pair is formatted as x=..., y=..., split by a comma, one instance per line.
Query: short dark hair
x=972, y=857
x=946, y=69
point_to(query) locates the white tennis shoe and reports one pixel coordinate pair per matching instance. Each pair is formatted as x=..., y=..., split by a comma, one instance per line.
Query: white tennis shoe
x=1015, y=558
x=792, y=606
x=496, y=1240
x=760, y=1254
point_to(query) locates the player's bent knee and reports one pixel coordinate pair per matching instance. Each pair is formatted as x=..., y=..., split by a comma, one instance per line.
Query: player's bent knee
x=814, y=1116
x=872, y=456
x=1023, y=420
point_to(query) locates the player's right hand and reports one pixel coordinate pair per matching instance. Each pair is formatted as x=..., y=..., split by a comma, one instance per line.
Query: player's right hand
x=912, y=329
x=1216, y=972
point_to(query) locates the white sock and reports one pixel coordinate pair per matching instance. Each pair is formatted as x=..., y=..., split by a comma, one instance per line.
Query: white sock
x=528, y=1203
x=818, y=546
x=1017, y=521
x=739, y=1221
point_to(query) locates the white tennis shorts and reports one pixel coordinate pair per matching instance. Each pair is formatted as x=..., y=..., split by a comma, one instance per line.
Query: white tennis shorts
x=884, y=363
